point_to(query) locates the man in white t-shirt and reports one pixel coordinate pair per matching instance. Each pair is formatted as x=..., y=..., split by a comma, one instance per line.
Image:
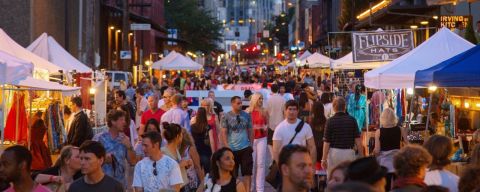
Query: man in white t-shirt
x=285, y=131
x=156, y=171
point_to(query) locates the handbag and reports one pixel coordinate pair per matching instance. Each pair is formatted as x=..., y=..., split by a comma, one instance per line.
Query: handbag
x=273, y=176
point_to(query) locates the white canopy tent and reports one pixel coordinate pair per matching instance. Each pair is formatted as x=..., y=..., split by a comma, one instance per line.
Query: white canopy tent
x=13, y=69
x=38, y=84
x=316, y=60
x=346, y=62
x=176, y=61
x=46, y=47
x=41, y=66
x=400, y=73
x=301, y=57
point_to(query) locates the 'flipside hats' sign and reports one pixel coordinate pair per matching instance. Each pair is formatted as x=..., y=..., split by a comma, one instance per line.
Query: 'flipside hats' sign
x=381, y=45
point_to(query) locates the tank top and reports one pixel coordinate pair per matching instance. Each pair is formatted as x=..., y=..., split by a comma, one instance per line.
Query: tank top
x=258, y=122
x=390, y=138
x=230, y=187
x=213, y=127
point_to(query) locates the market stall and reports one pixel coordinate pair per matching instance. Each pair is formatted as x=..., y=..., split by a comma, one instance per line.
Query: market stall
x=46, y=47
x=76, y=73
x=400, y=73
x=176, y=62
x=23, y=99
x=459, y=76
x=42, y=67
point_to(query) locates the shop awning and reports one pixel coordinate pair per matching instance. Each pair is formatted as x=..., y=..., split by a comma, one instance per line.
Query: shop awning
x=400, y=73
x=13, y=69
x=46, y=47
x=43, y=85
x=462, y=70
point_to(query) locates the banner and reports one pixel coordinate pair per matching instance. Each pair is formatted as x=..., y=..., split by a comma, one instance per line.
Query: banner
x=381, y=45
x=242, y=87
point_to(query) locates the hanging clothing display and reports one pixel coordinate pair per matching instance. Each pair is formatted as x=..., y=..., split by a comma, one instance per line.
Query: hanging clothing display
x=40, y=154
x=16, y=128
x=357, y=109
x=378, y=98
x=56, y=133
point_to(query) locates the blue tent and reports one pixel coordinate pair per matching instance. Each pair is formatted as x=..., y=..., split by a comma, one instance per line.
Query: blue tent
x=462, y=70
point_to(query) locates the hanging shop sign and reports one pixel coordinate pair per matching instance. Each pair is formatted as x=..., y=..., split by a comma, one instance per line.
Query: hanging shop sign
x=381, y=45
x=449, y=21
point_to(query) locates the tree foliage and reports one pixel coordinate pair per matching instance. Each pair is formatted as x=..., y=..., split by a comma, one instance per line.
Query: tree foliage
x=194, y=25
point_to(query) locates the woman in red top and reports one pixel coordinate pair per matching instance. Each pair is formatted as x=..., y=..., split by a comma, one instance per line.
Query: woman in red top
x=259, y=123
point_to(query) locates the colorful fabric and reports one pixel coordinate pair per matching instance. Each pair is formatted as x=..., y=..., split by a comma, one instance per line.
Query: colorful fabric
x=357, y=109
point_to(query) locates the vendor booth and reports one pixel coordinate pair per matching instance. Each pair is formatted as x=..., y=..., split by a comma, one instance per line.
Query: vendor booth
x=76, y=73
x=42, y=67
x=459, y=78
x=346, y=62
x=400, y=73
x=46, y=47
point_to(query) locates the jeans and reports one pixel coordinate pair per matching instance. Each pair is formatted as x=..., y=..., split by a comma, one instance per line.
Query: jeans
x=259, y=159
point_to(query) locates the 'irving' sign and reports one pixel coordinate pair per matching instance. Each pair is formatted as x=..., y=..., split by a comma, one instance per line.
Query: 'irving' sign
x=381, y=45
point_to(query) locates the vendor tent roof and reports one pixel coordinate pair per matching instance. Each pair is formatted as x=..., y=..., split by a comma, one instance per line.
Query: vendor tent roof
x=462, y=70
x=301, y=57
x=400, y=73
x=176, y=61
x=46, y=47
x=11, y=47
x=316, y=60
x=13, y=69
x=346, y=62
x=39, y=84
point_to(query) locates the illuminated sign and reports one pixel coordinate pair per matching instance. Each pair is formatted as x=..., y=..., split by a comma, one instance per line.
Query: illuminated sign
x=450, y=20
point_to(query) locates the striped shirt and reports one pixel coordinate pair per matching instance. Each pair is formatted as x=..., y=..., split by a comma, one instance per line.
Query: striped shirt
x=341, y=131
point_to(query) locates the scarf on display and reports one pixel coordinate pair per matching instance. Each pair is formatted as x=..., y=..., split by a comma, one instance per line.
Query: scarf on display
x=403, y=182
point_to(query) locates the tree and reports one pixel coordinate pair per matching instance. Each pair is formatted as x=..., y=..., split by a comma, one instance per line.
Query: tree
x=200, y=30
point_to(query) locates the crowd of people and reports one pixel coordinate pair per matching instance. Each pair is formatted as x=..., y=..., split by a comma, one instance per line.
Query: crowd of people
x=155, y=142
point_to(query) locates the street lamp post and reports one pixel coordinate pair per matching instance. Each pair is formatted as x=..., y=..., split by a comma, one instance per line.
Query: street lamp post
x=109, y=47
x=117, y=49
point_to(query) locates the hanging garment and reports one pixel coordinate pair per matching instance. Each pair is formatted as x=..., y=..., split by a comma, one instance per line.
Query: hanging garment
x=40, y=154
x=12, y=129
x=56, y=130
x=378, y=98
x=357, y=109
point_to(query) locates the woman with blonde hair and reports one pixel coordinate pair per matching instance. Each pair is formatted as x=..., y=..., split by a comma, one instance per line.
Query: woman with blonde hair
x=65, y=170
x=213, y=122
x=387, y=142
x=259, y=123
